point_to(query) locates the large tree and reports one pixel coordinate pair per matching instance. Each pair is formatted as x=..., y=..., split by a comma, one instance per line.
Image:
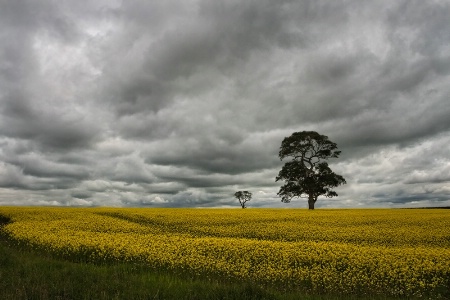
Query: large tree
x=307, y=174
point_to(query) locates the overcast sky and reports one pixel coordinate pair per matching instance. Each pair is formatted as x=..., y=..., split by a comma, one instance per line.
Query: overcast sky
x=183, y=103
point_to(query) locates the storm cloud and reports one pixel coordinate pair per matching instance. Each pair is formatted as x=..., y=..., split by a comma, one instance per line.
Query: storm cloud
x=183, y=103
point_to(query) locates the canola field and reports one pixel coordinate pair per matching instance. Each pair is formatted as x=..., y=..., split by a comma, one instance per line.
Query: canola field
x=392, y=252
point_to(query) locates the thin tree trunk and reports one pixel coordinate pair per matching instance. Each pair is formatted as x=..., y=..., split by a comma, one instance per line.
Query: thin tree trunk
x=311, y=202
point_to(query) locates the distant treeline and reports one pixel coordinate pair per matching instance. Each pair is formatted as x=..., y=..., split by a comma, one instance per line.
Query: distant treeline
x=437, y=207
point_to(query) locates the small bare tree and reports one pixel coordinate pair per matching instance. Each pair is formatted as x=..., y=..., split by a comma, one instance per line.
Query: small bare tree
x=243, y=196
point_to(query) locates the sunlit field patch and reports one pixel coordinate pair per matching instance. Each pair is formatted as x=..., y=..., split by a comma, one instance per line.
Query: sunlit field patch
x=381, y=251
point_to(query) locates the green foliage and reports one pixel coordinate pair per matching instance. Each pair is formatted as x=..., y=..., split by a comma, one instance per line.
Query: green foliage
x=308, y=174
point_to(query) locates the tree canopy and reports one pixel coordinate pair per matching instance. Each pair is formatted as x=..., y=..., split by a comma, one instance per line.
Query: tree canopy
x=243, y=197
x=308, y=174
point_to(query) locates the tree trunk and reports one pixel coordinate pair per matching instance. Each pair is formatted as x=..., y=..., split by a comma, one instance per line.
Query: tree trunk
x=311, y=202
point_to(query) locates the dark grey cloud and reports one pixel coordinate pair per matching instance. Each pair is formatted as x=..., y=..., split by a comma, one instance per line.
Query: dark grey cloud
x=219, y=154
x=182, y=103
x=57, y=129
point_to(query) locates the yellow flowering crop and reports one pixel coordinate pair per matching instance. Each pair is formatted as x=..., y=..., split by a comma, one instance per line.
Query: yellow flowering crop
x=387, y=251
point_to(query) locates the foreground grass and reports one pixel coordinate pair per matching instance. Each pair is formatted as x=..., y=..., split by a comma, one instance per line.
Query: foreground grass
x=26, y=274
